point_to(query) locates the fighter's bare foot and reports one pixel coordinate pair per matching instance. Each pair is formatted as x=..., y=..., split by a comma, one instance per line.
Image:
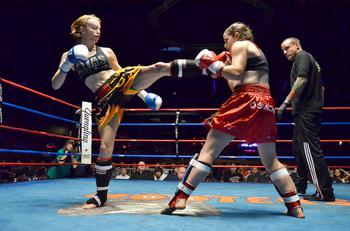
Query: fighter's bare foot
x=167, y=211
x=296, y=212
x=180, y=204
x=89, y=206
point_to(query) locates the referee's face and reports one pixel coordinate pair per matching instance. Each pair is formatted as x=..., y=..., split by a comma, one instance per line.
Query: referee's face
x=289, y=49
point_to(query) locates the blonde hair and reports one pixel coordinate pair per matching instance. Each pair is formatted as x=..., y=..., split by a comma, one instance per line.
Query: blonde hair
x=79, y=22
x=244, y=30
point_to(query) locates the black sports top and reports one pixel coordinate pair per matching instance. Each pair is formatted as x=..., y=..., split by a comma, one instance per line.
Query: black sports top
x=94, y=64
x=257, y=63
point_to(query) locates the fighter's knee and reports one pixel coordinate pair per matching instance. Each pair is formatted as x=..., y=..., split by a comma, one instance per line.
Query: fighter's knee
x=106, y=148
x=160, y=66
x=103, y=146
x=272, y=165
x=207, y=156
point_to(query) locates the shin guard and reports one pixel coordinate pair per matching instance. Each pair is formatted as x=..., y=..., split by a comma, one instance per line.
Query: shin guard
x=203, y=167
x=185, y=188
x=184, y=68
x=291, y=199
x=103, y=175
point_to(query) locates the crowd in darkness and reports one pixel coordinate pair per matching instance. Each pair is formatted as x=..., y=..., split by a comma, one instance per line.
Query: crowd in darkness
x=160, y=169
x=141, y=171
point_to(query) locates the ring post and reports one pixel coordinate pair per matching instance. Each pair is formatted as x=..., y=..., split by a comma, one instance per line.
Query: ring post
x=86, y=132
x=0, y=103
x=177, y=133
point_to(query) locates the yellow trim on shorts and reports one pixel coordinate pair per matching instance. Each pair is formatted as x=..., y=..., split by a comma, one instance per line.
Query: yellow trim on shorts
x=115, y=110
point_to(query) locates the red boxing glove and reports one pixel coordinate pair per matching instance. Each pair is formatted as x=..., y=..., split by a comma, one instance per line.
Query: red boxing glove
x=205, y=58
x=225, y=57
x=209, y=60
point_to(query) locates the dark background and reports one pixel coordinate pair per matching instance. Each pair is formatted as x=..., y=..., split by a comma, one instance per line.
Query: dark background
x=34, y=34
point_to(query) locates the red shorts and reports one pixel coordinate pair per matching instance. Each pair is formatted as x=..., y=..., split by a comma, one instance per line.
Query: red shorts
x=249, y=114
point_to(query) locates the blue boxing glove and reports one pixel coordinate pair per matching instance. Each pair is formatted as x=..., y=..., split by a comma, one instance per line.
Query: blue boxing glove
x=75, y=54
x=152, y=100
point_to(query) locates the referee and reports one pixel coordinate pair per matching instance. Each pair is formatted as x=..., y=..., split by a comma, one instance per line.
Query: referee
x=306, y=98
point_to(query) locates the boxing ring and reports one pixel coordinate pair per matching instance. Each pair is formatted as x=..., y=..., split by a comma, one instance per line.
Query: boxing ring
x=134, y=205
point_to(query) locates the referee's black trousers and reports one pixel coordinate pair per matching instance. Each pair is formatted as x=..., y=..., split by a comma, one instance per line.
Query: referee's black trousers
x=308, y=152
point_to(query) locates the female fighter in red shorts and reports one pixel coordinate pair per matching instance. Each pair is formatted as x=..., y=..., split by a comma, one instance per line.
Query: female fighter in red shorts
x=248, y=114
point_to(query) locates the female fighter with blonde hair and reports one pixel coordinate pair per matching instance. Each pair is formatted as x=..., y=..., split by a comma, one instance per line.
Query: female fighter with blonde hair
x=113, y=86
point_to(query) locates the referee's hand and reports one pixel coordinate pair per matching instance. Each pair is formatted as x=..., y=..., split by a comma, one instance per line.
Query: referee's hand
x=281, y=110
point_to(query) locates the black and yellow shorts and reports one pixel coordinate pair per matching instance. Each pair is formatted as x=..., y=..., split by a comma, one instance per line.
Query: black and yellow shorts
x=113, y=96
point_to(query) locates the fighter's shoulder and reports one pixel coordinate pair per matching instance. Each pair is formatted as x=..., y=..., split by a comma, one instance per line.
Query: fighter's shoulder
x=241, y=44
x=106, y=49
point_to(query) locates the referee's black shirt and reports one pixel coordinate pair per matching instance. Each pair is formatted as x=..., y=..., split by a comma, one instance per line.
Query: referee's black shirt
x=310, y=100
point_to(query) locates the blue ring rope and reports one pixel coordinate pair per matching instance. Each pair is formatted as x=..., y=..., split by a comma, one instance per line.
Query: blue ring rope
x=152, y=155
x=39, y=113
